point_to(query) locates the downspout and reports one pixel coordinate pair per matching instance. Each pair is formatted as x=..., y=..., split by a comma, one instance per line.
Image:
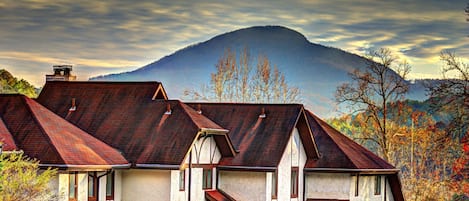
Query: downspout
x=190, y=176
x=304, y=185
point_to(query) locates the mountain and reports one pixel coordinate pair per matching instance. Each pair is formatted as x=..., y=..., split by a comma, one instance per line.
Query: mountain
x=317, y=70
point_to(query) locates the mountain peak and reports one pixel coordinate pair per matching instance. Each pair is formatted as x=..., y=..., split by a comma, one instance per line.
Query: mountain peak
x=317, y=70
x=271, y=31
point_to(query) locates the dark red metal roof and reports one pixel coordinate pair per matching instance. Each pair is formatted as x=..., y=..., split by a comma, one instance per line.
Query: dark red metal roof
x=340, y=152
x=217, y=195
x=260, y=141
x=6, y=139
x=43, y=135
x=119, y=115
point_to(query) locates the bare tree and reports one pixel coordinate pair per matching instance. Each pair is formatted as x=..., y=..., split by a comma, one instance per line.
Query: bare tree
x=372, y=90
x=451, y=95
x=235, y=81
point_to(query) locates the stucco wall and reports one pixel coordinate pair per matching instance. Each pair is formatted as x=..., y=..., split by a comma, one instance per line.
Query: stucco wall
x=176, y=194
x=144, y=185
x=328, y=185
x=63, y=186
x=366, y=190
x=243, y=185
x=117, y=185
x=205, y=151
x=293, y=156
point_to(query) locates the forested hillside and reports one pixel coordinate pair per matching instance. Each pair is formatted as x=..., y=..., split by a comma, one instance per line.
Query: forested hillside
x=10, y=84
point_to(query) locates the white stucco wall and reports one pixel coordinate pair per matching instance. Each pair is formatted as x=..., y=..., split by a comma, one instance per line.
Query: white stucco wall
x=176, y=194
x=293, y=156
x=144, y=185
x=82, y=186
x=243, y=185
x=366, y=190
x=117, y=185
x=82, y=182
x=63, y=186
x=328, y=185
x=205, y=151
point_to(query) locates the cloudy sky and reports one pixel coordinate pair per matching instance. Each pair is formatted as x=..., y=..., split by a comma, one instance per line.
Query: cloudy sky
x=100, y=37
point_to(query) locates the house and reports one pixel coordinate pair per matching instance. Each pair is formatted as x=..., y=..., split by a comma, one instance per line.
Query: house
x=126, y=141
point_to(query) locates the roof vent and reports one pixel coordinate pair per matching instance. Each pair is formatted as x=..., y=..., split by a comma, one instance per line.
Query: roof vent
x=262, y=115
x=199, y=108
x=168, y=109
x=74, y=107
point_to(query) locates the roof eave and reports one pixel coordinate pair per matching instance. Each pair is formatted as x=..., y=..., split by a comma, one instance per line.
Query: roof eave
x=214, y=130
x=157, y=166
x=348, y=170
x=247, y=168
x=86, y=167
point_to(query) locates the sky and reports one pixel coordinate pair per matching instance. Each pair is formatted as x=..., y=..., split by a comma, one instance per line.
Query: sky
x=102, y=37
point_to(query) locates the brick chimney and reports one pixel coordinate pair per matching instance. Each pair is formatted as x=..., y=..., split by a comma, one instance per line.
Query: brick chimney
x=61, y=73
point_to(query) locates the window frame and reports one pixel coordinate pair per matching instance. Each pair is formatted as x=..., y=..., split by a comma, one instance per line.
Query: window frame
x=182, y=180
x=274, y=185
x=207, y=178
x=94, y=178
x=378, y=184
x=75, y=186
x=294, y=183
x=110, y=176
x=357, y=184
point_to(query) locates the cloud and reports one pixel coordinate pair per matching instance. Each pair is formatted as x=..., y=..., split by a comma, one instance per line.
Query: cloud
x=120, y=33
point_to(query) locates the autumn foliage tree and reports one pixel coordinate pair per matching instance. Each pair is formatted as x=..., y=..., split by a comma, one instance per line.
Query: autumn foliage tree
x=21, y=179
x=236, y=80
x=451, y=97
x=372, y=90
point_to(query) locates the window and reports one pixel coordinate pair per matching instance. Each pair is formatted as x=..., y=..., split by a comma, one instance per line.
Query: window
x=357, y=184
x=274, y=185
x=110, y=186
x=73, y=187
x=378, y=185
x=92, y=186
x=294, y=182
x=182, y=180
x=207, y=179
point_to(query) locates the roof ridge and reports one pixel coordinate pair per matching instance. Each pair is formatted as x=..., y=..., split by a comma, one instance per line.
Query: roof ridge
x=235, y=103
x=315, y=118
x=104, y=82
x=25, y=100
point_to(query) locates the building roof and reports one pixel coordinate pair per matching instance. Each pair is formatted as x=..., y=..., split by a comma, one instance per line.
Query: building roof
x=129, y=118
x=58, y=94
x=340, y=152
x=6, y=139
x=217, y=195
x=54, y=141
x=260, y=141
